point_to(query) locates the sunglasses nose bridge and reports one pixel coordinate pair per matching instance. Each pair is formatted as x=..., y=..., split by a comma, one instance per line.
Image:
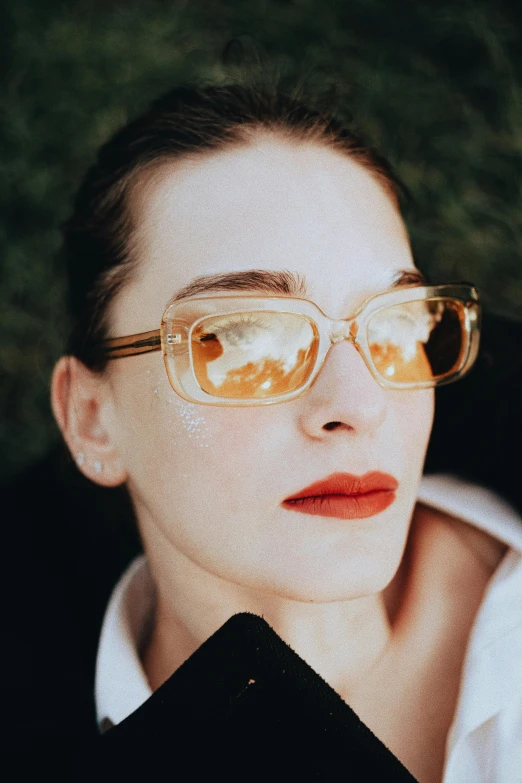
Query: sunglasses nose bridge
x=342, y=330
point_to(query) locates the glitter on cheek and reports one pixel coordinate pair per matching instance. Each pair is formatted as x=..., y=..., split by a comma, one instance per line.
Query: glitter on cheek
x=192, y=421
x=187, y=414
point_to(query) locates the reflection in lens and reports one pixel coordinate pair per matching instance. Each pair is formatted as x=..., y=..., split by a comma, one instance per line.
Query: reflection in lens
x=253, y=355
x=418, y=341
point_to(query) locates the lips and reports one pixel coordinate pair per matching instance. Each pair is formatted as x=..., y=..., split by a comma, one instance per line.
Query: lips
x=345, y=496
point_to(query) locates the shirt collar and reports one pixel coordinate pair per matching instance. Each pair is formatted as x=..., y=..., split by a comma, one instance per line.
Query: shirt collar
x=121, y=683
x=474, y=504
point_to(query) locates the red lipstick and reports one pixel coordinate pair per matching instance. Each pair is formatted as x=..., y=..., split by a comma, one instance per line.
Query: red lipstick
x=345, y=496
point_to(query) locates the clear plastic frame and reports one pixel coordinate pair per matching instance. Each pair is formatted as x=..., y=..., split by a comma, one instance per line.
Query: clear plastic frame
x=258, y=350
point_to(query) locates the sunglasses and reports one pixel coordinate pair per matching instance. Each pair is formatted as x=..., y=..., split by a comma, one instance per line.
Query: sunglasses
x=257, y=350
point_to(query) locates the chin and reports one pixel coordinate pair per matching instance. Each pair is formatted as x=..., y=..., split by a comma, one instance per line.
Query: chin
x=333, y=582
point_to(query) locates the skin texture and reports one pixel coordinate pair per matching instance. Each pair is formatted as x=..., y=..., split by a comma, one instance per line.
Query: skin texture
x=208, y=482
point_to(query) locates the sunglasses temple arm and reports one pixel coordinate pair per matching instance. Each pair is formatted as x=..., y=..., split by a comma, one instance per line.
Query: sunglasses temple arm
x=132, y=345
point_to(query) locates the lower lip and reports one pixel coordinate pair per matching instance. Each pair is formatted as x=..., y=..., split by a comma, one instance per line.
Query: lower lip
x=343, y=506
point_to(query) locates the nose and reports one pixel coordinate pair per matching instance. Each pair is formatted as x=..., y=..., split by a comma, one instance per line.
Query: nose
x=344, y=396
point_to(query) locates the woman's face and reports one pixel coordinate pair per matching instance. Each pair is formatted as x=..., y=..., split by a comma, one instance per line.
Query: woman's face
x=208, y=482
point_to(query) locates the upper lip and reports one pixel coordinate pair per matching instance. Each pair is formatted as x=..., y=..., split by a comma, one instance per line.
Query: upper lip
x=348, y=484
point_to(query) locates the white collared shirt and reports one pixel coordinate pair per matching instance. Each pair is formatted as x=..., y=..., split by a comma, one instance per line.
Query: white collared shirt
x=485, y=740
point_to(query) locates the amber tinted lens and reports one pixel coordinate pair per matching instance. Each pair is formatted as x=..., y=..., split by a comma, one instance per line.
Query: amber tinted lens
x=253, y=355
x=419, y=341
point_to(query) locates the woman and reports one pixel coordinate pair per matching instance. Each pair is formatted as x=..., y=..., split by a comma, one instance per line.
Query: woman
x=274, y=457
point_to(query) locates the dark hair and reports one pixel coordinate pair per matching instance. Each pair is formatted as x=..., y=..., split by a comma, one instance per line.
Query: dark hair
x=98, y=237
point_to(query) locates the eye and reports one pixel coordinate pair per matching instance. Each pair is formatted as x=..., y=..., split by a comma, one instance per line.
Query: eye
x=404, y=323
x=234, y=330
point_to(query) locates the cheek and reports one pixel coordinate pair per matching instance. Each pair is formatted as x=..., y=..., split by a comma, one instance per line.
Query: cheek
x=184, y=422
x=182, y=454
x=412, y=422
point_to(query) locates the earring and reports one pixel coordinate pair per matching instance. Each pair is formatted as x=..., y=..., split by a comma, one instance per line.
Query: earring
x=98, y=467
x=80, y=458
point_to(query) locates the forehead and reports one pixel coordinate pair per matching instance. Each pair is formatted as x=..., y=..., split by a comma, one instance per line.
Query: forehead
x=273, y=204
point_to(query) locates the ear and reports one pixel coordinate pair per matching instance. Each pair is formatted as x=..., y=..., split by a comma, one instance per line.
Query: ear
x=81, y=404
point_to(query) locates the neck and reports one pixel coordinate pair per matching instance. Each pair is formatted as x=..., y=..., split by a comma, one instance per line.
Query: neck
x=341, y=640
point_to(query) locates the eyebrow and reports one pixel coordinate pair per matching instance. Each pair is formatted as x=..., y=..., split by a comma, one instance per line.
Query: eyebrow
x=272, y=282
x=265, y=281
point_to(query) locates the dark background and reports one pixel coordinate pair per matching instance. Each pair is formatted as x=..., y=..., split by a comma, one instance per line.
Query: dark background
x=437, y=88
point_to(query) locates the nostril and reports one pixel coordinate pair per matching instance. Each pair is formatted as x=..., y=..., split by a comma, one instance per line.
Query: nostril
x=332, y=425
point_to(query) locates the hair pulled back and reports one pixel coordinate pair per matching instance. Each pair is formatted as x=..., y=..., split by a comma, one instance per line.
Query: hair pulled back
x=186, y=121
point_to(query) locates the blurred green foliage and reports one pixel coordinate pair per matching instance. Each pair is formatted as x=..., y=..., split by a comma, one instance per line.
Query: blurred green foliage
x=435, y=87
